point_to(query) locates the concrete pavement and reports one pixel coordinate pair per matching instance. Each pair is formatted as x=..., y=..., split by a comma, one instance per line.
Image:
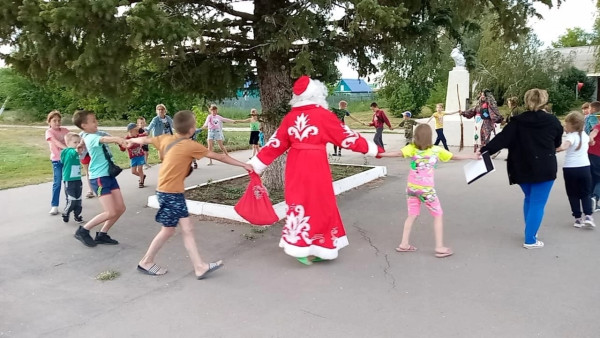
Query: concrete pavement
x=491, y=287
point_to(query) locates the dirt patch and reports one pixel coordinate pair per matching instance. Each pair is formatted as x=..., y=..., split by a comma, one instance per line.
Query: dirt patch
x=229, y=192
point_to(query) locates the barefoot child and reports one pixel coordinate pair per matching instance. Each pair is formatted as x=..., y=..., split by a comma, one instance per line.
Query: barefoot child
x=177, y=152
x=106, y=187
x=136, y=154
x=576, y=170
x=420, y=186
x=72, y=177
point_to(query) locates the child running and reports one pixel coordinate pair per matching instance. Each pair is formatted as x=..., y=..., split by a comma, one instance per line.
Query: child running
x=106, y=187
x=420, y=186
x=136, y=154
x=72, y=178
x=141, y=124
x=576, y=170
x=177, y=153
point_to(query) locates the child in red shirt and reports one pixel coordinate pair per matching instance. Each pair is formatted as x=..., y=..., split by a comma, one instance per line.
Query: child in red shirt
x=136, y=154
x=379, y=118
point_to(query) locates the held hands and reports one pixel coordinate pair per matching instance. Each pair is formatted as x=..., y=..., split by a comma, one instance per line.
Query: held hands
x=248, y=167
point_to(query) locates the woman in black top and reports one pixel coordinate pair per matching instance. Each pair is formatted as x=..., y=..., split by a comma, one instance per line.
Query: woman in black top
x=531, y=139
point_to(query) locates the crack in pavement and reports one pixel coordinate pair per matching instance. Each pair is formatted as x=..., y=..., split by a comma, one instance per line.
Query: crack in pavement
x=386, y=270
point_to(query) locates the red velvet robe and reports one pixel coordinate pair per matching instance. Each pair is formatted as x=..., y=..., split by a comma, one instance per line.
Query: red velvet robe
x=313, y=224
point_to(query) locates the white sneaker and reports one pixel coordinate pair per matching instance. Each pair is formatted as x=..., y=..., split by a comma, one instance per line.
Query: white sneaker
x=536, y=245
x=589, y=221
x=53, y=211
x=595, y=204
x=578, y=222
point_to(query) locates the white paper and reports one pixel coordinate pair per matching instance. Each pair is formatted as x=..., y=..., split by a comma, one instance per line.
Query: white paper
x=478, y=168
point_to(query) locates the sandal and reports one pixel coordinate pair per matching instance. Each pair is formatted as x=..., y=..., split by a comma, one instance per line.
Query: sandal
x=211, y=267
x=443, y=253
x=409, y=249
x=90, y=195
x=154, y=270
x=141, y=184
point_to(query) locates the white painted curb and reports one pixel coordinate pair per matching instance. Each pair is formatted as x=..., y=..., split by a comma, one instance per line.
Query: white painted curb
x=227, y=211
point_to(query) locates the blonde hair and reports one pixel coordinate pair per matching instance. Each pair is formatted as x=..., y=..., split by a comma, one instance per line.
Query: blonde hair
x=160, y=105
x=52, y=115
x=70, y=136
x=439, y=105
x=253, y=111
x=576, y=120
x=213, y=107
x=585, y=105
x=422, y=137
x=343, y=103
x=536, y=99
x=183, y=121
x=512, y=102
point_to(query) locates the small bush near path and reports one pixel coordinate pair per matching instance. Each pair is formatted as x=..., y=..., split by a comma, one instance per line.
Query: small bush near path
x=229, y=192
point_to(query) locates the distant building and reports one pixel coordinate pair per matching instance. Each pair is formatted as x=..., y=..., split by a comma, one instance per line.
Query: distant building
x=583, y=58
x=353, y=86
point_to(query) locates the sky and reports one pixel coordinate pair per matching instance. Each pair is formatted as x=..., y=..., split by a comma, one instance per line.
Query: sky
x=571, y=14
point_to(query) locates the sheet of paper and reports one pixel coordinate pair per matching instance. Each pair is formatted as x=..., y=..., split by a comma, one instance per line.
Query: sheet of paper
x=478, y=168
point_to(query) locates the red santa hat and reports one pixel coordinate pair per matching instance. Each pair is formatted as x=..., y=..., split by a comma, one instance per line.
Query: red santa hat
x=308, y=91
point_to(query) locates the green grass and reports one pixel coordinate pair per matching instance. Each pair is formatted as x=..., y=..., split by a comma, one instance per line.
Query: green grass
x=25, y=156
x=108, y=275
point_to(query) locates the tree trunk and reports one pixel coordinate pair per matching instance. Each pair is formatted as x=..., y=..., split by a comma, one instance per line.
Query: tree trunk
x=275, y=83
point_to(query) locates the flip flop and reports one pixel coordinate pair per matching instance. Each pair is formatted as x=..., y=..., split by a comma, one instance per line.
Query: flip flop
x=409, y=249
x=211, y=267
x=152, y=271
x=445, y=253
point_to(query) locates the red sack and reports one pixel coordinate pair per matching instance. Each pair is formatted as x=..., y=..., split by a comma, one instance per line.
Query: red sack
x=255, y=205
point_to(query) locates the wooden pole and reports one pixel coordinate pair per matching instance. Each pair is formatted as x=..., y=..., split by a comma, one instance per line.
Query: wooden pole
x=462, y=132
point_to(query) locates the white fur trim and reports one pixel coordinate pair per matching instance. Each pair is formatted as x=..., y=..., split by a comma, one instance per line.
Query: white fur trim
x=373, y=149
x=313, y=250
x=257, y=164
x=315, y=93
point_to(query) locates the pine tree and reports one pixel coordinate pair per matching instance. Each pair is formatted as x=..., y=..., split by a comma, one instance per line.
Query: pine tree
x=213, y=47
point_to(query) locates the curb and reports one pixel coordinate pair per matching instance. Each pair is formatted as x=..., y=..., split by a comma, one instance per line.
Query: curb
x=227, y=211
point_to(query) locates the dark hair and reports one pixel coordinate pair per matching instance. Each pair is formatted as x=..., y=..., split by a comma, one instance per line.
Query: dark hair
x=80, y=117
x=374, y=104
x=595, y=106
x=183, y=121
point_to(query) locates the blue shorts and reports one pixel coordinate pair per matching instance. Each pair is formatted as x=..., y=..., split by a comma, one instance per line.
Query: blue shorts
x=138, y=161
x=215, y=134
x=172, y=208
x=104, y=185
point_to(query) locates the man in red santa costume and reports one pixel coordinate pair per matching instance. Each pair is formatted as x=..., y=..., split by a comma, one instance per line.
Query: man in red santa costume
x=313, y=229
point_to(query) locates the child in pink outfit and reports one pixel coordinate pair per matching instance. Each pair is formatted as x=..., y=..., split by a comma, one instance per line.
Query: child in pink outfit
x=420, y=186
x=55, y=136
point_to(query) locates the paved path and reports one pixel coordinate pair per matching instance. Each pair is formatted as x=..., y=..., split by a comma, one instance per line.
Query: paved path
x=491, y=287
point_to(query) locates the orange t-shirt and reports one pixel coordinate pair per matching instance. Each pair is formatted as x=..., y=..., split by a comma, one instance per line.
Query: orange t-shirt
x=176, y=163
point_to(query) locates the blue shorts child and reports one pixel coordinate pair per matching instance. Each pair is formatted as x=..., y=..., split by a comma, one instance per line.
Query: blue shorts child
x=172, y=208
x=104, y=185
x=138, y=161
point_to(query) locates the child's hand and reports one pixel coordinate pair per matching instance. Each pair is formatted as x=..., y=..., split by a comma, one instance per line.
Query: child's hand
x=249, y=167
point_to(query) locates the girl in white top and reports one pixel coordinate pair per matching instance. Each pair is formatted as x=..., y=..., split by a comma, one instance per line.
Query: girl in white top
x=576, y=170
x=214, y=125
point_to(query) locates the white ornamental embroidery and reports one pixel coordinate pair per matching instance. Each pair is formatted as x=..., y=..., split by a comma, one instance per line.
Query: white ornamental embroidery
x=301, y=129
x=260, y=192
x=351, y=137
x=296, y=226
x=273, y=141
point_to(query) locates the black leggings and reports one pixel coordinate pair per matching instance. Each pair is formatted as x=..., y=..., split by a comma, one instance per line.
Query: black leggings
x=441, y=137
x=578, y=183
